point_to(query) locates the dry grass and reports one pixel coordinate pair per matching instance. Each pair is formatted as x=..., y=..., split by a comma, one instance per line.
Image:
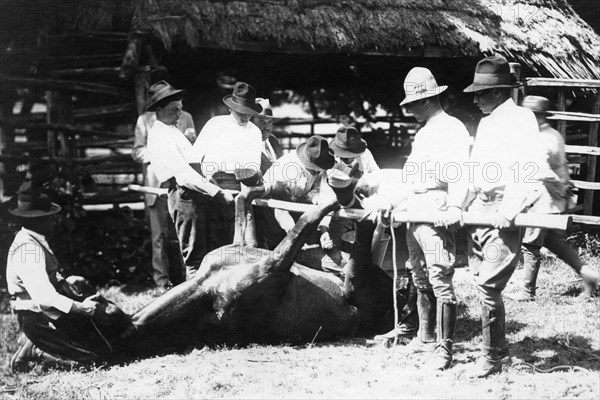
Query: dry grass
x=559, y=329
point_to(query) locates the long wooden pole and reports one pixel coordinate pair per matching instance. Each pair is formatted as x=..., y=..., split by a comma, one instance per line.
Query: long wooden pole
x=548, y=221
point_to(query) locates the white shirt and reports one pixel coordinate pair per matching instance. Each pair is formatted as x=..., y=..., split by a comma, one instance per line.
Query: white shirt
x=224, y=145
x=506, y=157
x=366, y=163
x=438, y=156
x=170, y=154
x=28, y=272
x=288, y=177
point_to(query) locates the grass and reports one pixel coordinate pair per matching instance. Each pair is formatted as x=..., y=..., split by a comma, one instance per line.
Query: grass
x=560, y=329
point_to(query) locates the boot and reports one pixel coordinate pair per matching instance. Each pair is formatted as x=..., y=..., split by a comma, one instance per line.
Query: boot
x=409, y=321
x=424, y=342
x=591, y=278
x=531, y=265
x=27, y=355
x=446, y=324
x=494, y=341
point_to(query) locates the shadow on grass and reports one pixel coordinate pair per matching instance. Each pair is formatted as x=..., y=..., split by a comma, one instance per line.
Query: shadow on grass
x=555, y=351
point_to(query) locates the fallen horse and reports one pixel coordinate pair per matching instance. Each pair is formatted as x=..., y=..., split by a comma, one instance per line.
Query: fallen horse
x=242, y=294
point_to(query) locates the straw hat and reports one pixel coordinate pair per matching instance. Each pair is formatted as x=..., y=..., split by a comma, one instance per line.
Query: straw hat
x=160, y=92
x=492, y=72
x=31, y=203
x=420, y=84
x=243, y=99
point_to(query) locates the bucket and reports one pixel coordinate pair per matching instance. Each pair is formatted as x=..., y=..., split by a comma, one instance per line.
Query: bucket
x=377, y=251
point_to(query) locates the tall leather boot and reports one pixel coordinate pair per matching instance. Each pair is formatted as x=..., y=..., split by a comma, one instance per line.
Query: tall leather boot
x=531, y=266
x=446, y=325
x=28, y=355
x=424, y=342
x=494, y=341
x=409, y=321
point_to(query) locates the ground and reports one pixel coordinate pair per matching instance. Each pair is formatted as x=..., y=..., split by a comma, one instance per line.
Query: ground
x=555, y=344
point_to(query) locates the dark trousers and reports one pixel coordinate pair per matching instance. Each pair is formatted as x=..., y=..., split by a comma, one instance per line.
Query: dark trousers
x=69, y=337
x=202, y=225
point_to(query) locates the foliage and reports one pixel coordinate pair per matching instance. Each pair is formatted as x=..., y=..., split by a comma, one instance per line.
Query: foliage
x=586, y=240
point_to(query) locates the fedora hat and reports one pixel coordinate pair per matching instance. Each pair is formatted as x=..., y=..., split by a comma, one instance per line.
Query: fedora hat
x=243, y=99
x=31, y=203
x=420, y=84
x=315, y=153
x=161, y=91
x=348, y=143
x=267, y=111
x=492, y=72
x=537, y=104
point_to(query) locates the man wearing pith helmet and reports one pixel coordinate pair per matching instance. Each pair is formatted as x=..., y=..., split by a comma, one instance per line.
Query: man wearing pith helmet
x=439, y=150
x=505, y=145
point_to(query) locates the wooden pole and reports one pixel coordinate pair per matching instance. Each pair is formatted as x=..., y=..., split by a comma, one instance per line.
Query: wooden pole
x=515, y=69
x=141, y=81
x=548, y=221
x=5, y=141
x=588, y=196
x=562, y=106
x=60, y=111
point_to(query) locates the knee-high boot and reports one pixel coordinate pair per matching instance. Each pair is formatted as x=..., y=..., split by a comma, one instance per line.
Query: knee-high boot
x=446, y=325
x=493, y=341
x=409, y=320
x=425, y=340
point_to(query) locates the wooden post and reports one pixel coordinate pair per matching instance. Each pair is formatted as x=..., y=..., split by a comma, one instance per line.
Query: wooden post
x=588, y=196
x=562, y=106
x=5, y=141
x=515, y=69
x=141, y=81
x=60, y=111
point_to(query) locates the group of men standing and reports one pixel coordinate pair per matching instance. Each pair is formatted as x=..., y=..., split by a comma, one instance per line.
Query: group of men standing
x=202, y=179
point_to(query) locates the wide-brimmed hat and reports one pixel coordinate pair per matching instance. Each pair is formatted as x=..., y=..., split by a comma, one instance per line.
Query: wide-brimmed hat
x=161, y=91
x=492, y=72
x=348, y=143
x=420, y=84
x=31, y=203
x=243, y=99
x=315, y=153
x=267, y=111
x=537, y=104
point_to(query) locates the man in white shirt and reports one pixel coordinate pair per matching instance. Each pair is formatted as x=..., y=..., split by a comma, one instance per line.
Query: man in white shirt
x=161, y=225
x=225, y=144
x=505, y=164
x=439, y=150
x=51, y=322
x=173, y=161
x=268, y=233
x=354, y=159
x=299, y=176
x=555, y=198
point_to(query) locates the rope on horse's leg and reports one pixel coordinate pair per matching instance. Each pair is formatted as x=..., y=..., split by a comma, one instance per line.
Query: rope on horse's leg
x=394, y=290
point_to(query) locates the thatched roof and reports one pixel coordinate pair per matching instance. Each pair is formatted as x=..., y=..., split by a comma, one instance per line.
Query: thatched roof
x=546, y=35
